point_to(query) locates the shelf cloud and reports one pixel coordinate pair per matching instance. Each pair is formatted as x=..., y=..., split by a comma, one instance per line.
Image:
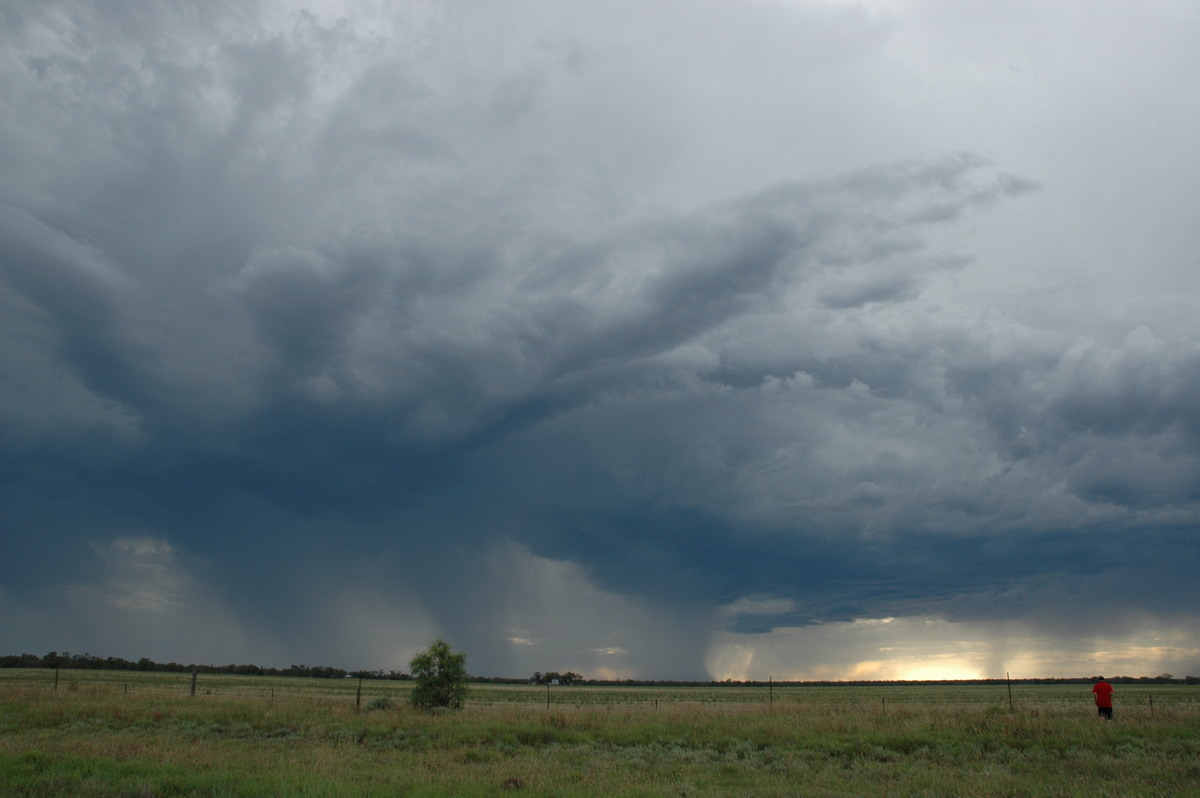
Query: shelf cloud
x=794, y=339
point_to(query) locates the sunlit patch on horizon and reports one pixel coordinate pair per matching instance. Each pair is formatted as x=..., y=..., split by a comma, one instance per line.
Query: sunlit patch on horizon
x=941, y=667
x=924, y=648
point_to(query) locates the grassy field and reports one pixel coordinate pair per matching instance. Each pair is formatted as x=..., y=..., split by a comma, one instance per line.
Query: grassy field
x=142, y=735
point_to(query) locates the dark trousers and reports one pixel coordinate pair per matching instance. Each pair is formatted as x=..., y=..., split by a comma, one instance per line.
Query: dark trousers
x=1105, y=712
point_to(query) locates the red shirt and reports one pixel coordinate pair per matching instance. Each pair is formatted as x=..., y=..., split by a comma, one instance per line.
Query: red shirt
x=1103, y=691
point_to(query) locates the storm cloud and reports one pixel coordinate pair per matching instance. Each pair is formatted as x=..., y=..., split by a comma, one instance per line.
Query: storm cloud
x=672, y=340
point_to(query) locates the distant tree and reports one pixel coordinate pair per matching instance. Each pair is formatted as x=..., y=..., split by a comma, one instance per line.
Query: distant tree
x=554, y=677
x=441, y=676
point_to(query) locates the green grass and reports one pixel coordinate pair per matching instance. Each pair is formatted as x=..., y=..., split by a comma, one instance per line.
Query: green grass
x=142, y=735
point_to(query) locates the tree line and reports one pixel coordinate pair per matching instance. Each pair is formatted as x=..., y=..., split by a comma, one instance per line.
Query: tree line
x=554, y=677
x=68, y=660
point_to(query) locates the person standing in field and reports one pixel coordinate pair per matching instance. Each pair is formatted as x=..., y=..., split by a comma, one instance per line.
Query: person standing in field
x=1103, y=692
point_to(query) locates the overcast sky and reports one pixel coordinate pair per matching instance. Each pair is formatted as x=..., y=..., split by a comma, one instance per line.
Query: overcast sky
x=769, y=338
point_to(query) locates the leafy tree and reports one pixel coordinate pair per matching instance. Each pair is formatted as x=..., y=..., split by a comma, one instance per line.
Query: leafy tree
x=441, y=676
x=554, y=677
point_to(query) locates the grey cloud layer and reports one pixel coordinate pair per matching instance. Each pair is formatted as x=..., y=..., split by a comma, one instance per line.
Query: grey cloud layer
x=274, y=283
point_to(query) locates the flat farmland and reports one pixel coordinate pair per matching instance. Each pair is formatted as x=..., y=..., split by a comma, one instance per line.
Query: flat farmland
x=116, y=733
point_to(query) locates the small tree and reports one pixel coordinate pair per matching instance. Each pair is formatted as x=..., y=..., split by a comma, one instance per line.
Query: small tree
x=441, y=676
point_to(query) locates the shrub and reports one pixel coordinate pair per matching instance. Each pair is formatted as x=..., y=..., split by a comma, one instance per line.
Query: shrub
x=441, y=676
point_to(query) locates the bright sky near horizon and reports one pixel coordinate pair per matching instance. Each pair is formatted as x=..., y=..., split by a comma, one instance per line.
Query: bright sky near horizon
x=770, y=338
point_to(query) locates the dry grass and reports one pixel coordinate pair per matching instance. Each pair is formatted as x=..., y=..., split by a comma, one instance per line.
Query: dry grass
x=114, y=734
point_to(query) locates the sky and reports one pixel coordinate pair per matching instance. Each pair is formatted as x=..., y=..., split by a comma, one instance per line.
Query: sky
x=790, y=339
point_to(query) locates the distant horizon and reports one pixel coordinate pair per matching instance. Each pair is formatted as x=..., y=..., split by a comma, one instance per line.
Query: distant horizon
x=397, y=675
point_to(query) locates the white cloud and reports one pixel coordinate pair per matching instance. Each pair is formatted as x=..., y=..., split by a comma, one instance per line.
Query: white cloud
x=140, y=599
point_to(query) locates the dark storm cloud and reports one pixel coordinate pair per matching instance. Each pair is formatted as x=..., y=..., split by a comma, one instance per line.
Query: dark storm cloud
x=316, y=312
x=1121, y=425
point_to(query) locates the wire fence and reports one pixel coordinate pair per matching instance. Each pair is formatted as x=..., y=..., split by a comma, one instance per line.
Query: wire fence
x=881, y=698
